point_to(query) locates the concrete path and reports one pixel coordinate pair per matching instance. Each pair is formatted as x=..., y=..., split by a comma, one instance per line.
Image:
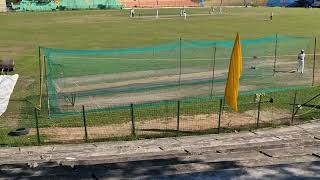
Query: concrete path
x=281, y=153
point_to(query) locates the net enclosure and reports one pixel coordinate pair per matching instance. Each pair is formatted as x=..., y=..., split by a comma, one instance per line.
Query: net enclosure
x=182, y=69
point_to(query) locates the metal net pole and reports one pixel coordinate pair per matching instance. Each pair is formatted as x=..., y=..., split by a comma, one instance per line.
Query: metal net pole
x=180, y=63
x=294, y=106
x=47, y=87
x=259, y=108
x=40, y=77
x=84, y=124
x=178, y=117
x=37, y=125
x=220, y=112
x=275, y=55
x=213, y=66
x=133, y=129
x=314, y=60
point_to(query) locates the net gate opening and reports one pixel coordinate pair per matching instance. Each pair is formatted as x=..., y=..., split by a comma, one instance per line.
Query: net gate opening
x=183, y=69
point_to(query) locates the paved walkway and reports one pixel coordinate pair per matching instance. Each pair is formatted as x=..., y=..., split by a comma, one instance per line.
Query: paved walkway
x=281, y=153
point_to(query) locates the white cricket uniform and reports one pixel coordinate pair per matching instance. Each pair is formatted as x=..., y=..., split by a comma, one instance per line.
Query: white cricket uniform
x=301, y=58
x=132, y=13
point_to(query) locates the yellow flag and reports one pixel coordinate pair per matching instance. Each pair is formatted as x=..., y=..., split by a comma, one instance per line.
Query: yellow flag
x=235, y=69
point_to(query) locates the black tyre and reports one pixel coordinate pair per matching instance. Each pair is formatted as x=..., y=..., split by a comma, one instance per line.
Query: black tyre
x=19, y=132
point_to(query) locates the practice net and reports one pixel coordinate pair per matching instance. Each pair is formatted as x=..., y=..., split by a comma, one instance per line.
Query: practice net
x=104, y=79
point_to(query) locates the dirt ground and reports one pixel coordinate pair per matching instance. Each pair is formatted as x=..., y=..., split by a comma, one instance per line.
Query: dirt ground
x=103, y=81
x=154, y=126
x=144, y=78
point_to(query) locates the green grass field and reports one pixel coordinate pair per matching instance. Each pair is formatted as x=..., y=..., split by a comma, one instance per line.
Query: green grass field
x=23, y=32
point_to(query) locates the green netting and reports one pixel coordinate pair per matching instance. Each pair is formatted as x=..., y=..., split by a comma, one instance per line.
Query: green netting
x=48, y=5
x=89, y=4
x=30, y=5
x=183, y=69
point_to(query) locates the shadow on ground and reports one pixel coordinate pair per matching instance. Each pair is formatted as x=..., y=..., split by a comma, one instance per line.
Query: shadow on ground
x=170, y=168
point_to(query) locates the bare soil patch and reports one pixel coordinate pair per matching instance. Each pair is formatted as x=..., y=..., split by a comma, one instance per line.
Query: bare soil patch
x=77, y=87
x=156, y=126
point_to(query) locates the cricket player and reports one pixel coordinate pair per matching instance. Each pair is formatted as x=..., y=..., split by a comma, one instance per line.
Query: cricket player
x=301, y=57
x=184, y=12
x=271, y=16
x=132, y=12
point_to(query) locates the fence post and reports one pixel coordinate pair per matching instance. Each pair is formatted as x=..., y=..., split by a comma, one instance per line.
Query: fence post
x=178, y=117
x=259, y=105
x=275, y=55
x=37, y=125
x=84, y=123
x=220, y=111
x=314, y=59
x=294, y=106
x=223, y=105
x=133, y=129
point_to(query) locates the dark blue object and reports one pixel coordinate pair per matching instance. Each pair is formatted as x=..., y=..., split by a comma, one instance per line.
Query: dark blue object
x=290, y=3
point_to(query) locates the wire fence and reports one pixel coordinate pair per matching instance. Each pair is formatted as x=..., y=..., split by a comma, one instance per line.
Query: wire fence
x=160, y=119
